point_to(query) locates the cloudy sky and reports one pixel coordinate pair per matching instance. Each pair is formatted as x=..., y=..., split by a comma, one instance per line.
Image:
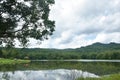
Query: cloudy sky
x=83, y=22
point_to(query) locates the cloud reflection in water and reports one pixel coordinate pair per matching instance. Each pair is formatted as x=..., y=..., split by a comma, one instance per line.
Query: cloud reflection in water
x=59, y=74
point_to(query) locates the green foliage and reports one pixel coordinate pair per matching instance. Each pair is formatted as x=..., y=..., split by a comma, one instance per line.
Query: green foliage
x=110, y=77
x=24, y=20
x=11, y=61
x=9, y=53
x=102, y=51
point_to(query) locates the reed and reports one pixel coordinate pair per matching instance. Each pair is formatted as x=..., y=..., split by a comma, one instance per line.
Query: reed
x=110, y=77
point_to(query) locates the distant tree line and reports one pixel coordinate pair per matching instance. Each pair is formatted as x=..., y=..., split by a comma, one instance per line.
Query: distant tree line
x=95, y=51
x=57, y=54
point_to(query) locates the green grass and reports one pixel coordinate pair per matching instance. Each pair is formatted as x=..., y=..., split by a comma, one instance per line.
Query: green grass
x=12, y=61
x=111, y=77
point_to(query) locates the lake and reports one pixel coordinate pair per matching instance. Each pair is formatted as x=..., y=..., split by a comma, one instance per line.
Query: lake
x=59, y=69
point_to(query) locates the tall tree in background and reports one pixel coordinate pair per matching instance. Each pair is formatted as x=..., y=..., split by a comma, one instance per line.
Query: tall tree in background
x=24, y=19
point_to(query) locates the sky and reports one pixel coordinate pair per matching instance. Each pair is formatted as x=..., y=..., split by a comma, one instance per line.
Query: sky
x=83, y=22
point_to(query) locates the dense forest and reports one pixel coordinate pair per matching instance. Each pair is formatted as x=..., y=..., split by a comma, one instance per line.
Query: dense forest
x=94, y=51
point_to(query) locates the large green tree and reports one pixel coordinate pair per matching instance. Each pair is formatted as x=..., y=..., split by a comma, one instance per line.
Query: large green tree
x=24, y=19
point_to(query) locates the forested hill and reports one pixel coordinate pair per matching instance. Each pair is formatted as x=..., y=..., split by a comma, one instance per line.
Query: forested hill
x=99, y=47
x=94, y=51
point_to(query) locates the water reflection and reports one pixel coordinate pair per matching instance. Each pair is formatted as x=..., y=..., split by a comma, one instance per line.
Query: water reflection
x=99, y=68
x=59, y=74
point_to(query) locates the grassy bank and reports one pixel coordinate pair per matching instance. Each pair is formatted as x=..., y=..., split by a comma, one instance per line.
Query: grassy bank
x=12, y=61
x=111, y=77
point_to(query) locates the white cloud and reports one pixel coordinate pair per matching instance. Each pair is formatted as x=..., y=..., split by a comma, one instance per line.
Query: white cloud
x=83, y=22
x=108, y=37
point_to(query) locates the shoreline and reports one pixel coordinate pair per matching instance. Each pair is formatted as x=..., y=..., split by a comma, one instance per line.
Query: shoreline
x=4, y=61
x=82, y=60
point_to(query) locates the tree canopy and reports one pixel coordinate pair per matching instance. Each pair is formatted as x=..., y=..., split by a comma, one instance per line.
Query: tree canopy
x=24, y=19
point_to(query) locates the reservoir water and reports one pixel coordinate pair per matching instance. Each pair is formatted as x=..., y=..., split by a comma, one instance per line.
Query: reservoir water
x=59, y=69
